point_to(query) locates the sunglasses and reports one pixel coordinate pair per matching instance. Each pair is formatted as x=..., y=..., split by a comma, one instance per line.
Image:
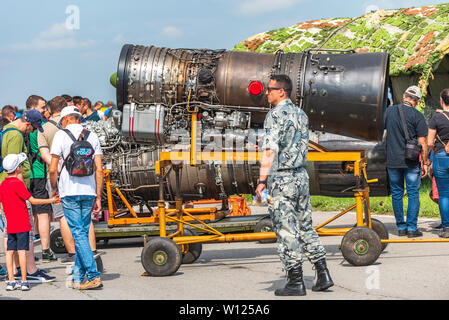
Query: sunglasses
x=273, y=88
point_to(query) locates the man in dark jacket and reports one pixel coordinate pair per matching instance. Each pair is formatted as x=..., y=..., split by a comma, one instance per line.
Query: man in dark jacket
x=399, y=168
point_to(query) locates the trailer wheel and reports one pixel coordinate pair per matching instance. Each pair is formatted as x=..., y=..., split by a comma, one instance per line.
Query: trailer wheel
x=380, y=229
x=265, y=225
x=194, y=249
x=56, y=243
x=361, y=246
x=161, y=257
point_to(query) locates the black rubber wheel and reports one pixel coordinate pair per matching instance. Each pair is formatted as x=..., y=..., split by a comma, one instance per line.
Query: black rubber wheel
x=265, y=225
x=161, y=257
x=361, y=246
x=99, y=263
x=56, y=243
x=380, y=229
x=195, y=249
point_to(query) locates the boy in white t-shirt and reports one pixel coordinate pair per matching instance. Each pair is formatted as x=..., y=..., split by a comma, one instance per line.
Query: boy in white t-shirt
x=80, y=196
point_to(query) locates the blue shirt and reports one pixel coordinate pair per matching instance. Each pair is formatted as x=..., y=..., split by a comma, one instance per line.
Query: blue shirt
x=93, y=117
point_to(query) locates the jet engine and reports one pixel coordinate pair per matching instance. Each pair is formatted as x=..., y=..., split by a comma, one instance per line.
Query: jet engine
x=158, y=90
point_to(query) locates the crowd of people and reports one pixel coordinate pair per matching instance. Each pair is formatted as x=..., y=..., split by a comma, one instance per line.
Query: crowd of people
x=44, y=179
x=41, y=181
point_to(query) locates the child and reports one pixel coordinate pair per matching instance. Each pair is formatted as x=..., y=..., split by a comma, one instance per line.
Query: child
x=13, y=197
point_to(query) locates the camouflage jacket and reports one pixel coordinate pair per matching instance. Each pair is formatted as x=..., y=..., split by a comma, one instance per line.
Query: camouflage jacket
x=287, y=134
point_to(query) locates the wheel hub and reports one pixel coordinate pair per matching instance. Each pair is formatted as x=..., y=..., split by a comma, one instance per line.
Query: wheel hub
x=160, y=258
x=361, y=247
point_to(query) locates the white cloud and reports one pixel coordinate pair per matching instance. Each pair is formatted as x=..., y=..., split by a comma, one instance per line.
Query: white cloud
x=57, y=37
x=56, y=31
x=256, y=7
x=119, y=38
x=171, y=31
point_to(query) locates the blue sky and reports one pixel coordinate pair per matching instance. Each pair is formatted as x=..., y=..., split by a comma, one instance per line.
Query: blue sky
x=46, y=48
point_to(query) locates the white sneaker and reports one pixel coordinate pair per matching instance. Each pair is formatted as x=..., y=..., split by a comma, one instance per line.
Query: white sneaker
x=25, y=286
x=11, y=286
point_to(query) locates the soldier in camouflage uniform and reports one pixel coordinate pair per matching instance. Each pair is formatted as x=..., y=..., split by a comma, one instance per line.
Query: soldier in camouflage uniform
x=285, y=150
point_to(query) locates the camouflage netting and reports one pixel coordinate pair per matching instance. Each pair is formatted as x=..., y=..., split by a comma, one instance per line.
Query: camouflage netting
x=416, y=38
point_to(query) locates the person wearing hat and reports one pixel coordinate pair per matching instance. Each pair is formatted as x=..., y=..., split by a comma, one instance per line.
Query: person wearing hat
x=13, y=140
x=401, y=169
x=45, y=142
x=13, y=143
x=13, y=197
x=80, y=196
x=38, y=180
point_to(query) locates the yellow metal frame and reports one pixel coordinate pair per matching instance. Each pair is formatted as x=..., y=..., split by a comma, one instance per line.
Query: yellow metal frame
x=357, y=164
x=238, y=204
x=197, y=217
x=361, y=194
x=182, y=216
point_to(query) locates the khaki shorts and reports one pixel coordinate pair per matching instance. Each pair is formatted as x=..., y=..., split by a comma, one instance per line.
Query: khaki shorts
x=57, y=208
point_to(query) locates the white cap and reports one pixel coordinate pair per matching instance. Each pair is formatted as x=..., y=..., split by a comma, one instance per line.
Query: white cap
x=12, y=161
x=69, y=111
x=414, y=91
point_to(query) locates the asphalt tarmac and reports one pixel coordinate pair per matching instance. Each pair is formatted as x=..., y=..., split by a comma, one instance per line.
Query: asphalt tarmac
x=252, y=271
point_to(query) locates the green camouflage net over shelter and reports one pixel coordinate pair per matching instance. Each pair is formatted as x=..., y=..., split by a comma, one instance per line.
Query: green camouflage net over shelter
x=416, y=38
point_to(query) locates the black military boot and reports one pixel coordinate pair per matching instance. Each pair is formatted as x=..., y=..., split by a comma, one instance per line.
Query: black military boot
x=323, y=279
x=295, y=284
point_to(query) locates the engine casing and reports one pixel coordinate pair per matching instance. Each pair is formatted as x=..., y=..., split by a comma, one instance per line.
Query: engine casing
x=158, y=89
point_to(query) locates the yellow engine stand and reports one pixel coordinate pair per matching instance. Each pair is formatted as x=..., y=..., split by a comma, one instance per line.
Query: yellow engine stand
x=163, y=255
x=155, y=259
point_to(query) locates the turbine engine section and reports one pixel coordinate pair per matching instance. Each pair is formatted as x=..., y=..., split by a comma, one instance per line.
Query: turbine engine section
x=131, y=165
x=132, y=168
x=342, y=92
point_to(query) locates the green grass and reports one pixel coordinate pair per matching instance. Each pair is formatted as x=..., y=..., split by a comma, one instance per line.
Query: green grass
x=380, y=205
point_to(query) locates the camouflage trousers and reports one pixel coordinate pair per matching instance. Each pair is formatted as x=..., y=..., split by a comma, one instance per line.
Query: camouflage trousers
x=291, y=214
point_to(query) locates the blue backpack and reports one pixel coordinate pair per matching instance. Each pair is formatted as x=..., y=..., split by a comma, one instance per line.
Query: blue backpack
x=2, y=132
